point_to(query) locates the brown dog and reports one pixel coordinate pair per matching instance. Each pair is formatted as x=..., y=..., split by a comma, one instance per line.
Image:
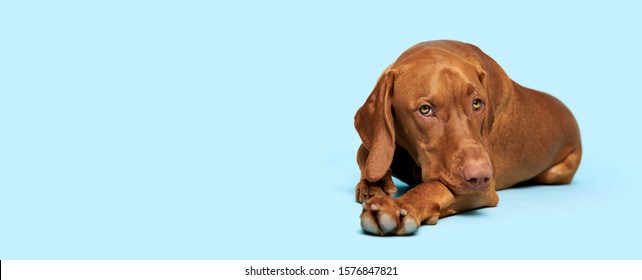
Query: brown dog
x=446, y=119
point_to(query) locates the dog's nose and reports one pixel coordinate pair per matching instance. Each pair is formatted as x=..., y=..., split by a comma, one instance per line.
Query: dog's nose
x=477, y=175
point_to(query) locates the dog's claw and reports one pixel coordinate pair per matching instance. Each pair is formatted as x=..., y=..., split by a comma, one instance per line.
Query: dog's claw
x=403, y=212
x=391, y=191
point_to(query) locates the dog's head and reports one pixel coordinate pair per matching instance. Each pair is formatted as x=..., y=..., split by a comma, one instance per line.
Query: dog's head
x=437, y=106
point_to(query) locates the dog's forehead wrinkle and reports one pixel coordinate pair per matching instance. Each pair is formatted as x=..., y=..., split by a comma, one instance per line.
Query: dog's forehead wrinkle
x=429, y=79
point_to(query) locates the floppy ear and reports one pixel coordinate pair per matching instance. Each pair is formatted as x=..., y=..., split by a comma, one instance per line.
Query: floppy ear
x=498, y=86
x=374, y=123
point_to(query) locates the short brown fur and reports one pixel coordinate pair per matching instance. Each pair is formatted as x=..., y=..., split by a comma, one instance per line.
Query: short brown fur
x=481, y=133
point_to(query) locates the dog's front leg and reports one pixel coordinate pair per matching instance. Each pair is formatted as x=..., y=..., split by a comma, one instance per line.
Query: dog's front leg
x=384, y=215
x=366, y=189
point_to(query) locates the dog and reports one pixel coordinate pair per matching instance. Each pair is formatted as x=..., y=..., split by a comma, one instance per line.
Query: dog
x=447, y=120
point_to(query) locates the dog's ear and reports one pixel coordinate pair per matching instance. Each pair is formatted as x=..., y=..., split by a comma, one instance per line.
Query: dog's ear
x=374, y=123
x=497, y=84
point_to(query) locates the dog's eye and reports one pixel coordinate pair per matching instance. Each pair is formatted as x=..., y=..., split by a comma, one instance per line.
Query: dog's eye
x=477, y=104
x=425, y=110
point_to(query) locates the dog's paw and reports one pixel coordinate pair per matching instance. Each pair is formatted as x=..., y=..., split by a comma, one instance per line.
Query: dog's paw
x=366, y=190
x=382, y=215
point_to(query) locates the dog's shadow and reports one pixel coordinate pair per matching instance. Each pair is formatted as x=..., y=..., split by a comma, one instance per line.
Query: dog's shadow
x=401, y=190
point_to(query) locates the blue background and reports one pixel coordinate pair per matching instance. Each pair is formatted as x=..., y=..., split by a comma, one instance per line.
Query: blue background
x=216, y=130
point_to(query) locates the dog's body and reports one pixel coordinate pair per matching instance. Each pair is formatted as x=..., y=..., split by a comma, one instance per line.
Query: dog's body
x=447, y=120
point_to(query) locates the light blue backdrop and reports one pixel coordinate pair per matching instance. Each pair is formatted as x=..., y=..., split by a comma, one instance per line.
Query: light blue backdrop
x=210, y=130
